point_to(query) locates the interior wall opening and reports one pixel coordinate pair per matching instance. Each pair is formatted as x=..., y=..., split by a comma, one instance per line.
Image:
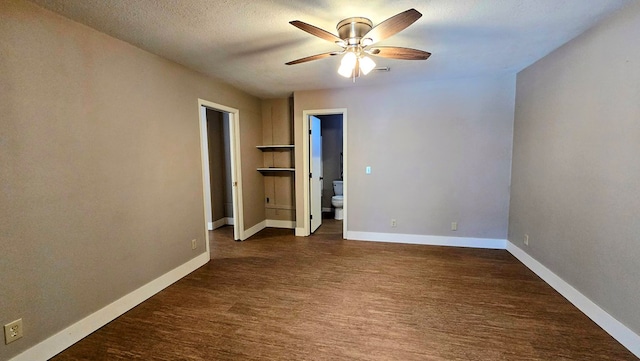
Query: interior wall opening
x=221, y=170
x=218, y=136
x=326, y=159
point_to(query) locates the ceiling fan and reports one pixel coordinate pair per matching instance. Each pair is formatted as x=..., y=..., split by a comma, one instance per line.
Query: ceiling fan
x=357, y=37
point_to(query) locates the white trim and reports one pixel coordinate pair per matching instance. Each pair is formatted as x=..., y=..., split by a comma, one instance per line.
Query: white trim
x=327, y=209
x=280, y=224
x=255, y=229
x=236, y=175
x=427, y=240
x=613, y=327
x=74, y=333
x=305, y=229
x=219, y=223
x=345, y=168
x=206, y=180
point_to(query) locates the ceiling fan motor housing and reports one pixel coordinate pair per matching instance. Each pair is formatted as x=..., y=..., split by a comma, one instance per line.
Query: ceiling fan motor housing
x=351, y=30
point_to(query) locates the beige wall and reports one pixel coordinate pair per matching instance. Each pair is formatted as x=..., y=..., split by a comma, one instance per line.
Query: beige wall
x=576, y=174
x=439, y=152
x=100, y=178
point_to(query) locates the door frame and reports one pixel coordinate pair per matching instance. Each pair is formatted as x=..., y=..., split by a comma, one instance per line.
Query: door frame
x=306, y=166
x=236, y=169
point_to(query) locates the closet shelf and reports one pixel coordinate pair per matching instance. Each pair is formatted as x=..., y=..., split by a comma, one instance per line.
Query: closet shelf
x=274, y=169
x=277, y=146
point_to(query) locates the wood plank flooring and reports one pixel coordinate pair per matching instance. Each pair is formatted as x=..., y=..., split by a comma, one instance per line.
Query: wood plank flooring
x=279, y=297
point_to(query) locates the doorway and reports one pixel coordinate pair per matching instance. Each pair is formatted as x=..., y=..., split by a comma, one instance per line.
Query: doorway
x=325, y=162
x=221, y=176
x=218, y=138
x=332, y=163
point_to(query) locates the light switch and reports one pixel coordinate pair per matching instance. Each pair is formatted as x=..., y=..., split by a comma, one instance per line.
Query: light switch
x=368, y=170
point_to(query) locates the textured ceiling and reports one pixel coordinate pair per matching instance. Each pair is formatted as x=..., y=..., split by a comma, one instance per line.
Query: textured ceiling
x=246, y=42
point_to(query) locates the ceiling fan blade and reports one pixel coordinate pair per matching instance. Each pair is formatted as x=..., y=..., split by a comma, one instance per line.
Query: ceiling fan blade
x=396, y=52
x=313, y=57
x=313, y=30
x=391, y=26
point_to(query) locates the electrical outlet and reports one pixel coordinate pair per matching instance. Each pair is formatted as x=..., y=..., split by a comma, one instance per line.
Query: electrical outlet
x=454, y=226
x=393, y=223
x=12, y=331
x=194, y=243
x=526, y=239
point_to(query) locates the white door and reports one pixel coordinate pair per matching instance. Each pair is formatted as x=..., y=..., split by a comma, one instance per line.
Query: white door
x=315, y=176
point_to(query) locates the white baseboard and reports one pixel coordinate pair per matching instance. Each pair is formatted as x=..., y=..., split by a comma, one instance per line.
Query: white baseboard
x=613, y=327
x=281, y=224
x=74, y=333
x=427, y=240
x=300, y=232
x=219, y=223
x=268, y=223
x=253, y=230
x=327, y=209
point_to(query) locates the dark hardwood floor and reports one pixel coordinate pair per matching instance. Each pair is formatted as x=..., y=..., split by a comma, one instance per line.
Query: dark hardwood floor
x=279, y=297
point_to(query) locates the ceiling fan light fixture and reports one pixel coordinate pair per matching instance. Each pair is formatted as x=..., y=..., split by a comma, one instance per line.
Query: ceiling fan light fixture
x=356, y=35
x=366, y=64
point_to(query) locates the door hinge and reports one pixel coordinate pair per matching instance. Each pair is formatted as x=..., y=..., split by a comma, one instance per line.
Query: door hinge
x=311, y=217
x=310, y=175
x=309, y=131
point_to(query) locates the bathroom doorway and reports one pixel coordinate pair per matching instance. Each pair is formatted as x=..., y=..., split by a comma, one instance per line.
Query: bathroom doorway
x=332, y=162
x=325, y=159
x=221, y=167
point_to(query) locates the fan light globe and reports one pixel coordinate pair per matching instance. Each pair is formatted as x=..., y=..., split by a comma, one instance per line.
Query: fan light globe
x=366, y=65
x=345, y=70
x=347, y=64
x=349, y=60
